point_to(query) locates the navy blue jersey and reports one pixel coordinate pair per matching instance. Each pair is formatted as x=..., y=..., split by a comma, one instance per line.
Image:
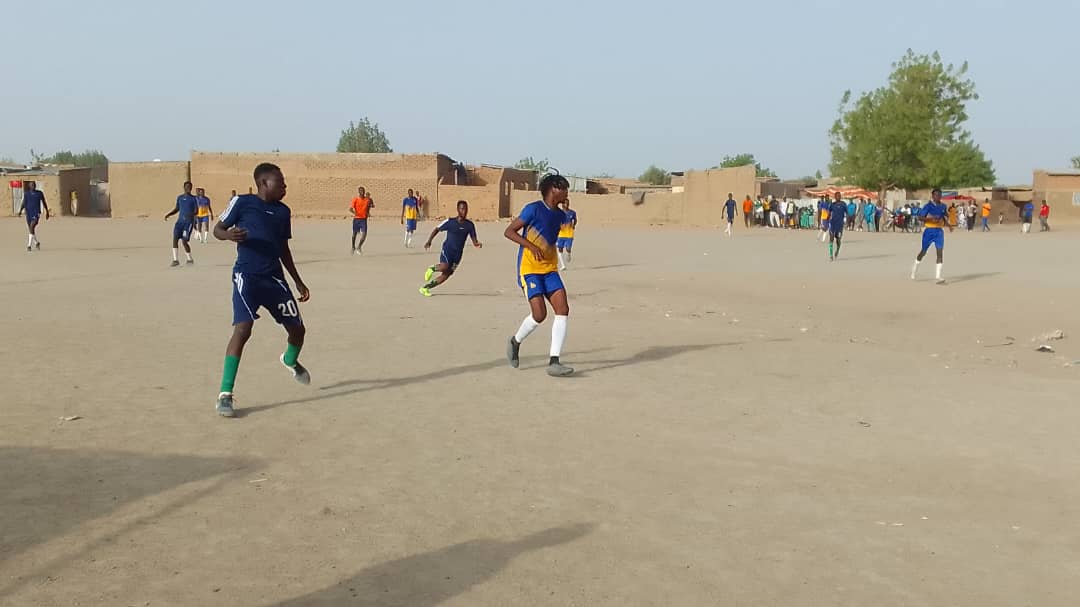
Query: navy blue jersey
x=729, y=208
x=837, y=212
x=268, y=226
x=456, y=234
x=32, y=201
x=186, y=205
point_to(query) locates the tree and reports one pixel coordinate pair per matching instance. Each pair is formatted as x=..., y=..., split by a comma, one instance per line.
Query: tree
x=528, y=164
x=655, y=175
x=910, y=133
x=817, y=175
x=363, y=137
x=7, y=160
x=741, y=160
x=1076, y=162
x=88, y=158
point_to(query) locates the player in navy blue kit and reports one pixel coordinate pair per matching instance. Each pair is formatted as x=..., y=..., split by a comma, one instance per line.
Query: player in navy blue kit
x=457, y=229
x=837, y=219
x=32, y=203
x=186, y=207
x=261, y=227
x=935, y=216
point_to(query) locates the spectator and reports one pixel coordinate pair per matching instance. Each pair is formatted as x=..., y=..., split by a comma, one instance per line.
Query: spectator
x=986, y=216
x=1044, y=217
x=1026, y=212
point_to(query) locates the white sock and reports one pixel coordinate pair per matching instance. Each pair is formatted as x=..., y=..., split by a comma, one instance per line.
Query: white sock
x=914, y=268
x=29, y=240
x=188, y=255
x=568, y=256
x=937, y=271
x=175, y=251
x=527, y=327
x=562, y=262
x=558, y=334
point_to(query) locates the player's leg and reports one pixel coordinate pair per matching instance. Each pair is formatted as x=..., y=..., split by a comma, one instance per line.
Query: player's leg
x=176, y=246
x=727, y=228
x=560, y=246
x=839, y=241
x=927, y=238
x=569, y=250
x=355, y=231
x=278, y=298
x=363, y=236
x=537, y=313
x=939, y=244
x=31, y=228
x=561, y=308
x=445, y=268
x=185, y=236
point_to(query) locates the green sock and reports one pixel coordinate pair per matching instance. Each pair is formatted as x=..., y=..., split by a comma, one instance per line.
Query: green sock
x=830, y=249
x=228, y=376
x=292, y=352
x=431, y=284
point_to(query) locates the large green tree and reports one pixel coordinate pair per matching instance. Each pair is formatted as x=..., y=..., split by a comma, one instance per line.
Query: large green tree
x=655, y=175
x=363, y=137
x=530, y=164
x=741, y=160
x=88, y=158
x=910, y=133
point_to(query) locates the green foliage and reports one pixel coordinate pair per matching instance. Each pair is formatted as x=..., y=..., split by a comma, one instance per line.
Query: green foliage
x=529, y=164
x=1076, y=162
x=88, y=158
x=741, y=160
x=910, y=133
x=656, y=176
x=817, y=175
x=363, y=137
x=7, y=160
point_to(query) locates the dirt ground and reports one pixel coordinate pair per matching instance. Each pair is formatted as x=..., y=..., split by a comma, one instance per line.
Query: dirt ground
x=749, y=425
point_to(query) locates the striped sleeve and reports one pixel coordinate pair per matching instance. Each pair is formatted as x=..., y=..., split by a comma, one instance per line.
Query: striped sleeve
x=226, y=217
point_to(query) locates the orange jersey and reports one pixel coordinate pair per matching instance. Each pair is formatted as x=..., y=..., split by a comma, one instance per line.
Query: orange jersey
x=747, y=206
x=361, y=207
x=986, y=209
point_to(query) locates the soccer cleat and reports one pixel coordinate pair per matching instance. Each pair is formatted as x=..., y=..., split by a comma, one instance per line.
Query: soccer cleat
x=225, y=405
x=558, y=369
x=174, y=264
x=299, y=372
x=37, y=245
x=429, y=273
x=940, y=281
x=191, y=262
x=512, y=349
x=426, y=292
x=28, y=249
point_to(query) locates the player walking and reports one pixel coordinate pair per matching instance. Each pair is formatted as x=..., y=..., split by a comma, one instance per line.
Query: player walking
x=410, y=212
x=535, y=230
x=261, y=227
x=457, y=230
x=729, y=213
x=186, y=205
x=935, y=217
x=32, y=202
x=204, y=214
x=361, y=207
x=565, y=242
x=838, y=211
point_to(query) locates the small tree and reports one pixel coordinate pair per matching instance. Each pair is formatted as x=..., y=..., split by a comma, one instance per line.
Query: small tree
x=741, y=160
x=88, y=158
x=363, y=137
x=1076, y=162
x=655, y=175
x=529, y=164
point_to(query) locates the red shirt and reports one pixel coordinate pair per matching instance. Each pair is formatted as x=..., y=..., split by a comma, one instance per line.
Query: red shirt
x=1044, y=211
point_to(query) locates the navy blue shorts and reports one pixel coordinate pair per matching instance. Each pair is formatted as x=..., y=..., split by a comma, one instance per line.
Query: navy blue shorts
x=410, y=225
x=450, y=258
x=182, y=231
x=836, y=229
x=565, y=243
x=359, y=225
x=32, y=219
x=933, y=236
x=250, y=291
x=541, y=285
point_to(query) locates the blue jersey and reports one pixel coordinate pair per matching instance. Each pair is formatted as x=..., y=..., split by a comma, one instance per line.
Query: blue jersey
x=837, y=213
x=1028, y=210
x=186, y=204
x=729, y=208
x=456, y=234
x=542, y=225
x=268, y=225
x=934, y=215
x=32, y=201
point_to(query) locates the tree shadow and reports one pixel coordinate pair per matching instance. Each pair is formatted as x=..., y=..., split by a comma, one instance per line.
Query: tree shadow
x=48, y=492
x=431, y=578
x=969, y=277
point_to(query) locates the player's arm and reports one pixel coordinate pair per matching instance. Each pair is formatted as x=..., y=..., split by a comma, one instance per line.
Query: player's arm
x=475, y=242
x=513, y=234
x=210, y=207
x=226, y=228
x=427, y=245
x=22, y=207
x=175, y=210
x=290, y=267
x=46, y=206
x=403, y=205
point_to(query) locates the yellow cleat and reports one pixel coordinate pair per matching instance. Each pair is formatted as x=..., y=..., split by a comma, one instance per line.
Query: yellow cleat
x=427, y=275
x=425, y=292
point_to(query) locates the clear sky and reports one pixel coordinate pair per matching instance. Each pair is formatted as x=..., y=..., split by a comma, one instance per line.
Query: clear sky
x=595, y=86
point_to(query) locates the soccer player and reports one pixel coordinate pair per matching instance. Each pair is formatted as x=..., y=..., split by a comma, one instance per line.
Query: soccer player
x=361, y=206
x=32, y=202
x=261, y=227
x=1026, y=213
x=823, y=211
x=535, y=230
x=935, y=217
x=410, y=212
x=204, y=214
x=729, y=213
x=185, y=221
x=457, y=230
x=565, y=243
x=837, y=220
x=747, y=210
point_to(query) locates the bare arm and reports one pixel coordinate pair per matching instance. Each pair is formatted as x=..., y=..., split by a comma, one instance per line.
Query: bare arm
x=171, y=213
x=290, y=267
x=427, y=245
x=46, y=205
x=233, y=234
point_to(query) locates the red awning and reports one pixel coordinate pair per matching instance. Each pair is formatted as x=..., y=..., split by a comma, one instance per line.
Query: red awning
x=845, y=192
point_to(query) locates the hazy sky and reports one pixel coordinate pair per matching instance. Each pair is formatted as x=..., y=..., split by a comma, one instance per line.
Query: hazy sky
x=602, y=86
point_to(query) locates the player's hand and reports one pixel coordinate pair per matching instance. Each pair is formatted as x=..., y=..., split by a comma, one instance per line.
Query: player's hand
x=305, y=293
x=478, y=245
x=538, y=255
x=402, y=221
x=236, y=234
x=427, y=245
x=47, y=215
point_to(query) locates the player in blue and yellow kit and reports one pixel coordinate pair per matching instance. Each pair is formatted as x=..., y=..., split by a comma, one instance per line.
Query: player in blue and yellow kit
x=935, y=217
x=261, y=227
x=536, y=230
x=837, y=219
x=410, y=213
x=32, y=202
x=458, y=230
x=565, y=243
x=204, y=214
x=185, y=209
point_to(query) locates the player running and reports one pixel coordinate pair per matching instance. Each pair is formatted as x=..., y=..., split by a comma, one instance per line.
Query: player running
x=838, y=211
x=410, y=212
x=565, y=242
x=204, y=214
x=534, y=230
x=261, y=227
x=935, y=217
x=361, y=207
x=32, y=202
x=457, y=230
x=185, y=222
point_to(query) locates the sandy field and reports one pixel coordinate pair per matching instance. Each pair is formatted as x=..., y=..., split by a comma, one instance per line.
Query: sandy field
x=749, y=425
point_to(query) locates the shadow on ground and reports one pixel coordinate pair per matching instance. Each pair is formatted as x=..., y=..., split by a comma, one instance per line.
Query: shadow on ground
x=431, y=578
x=970, y=277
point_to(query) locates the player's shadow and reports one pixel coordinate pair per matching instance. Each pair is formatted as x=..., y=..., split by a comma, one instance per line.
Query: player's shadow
x=611, y=266
x=862, y=257
x=970, y=277
x=651, y=354
x=432, y=578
